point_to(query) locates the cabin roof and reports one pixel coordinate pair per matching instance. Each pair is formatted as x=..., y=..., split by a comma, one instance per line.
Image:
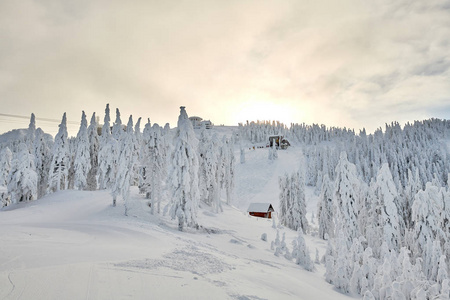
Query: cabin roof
x=260, y=207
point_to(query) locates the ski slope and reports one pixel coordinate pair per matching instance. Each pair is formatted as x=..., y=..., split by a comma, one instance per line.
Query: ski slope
x=75, y=245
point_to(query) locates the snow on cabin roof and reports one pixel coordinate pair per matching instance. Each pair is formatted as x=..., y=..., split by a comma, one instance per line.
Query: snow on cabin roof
x=260, y=207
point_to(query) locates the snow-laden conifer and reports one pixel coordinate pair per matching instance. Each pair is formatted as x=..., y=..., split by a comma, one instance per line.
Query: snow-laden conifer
x=384, y=217
x=94, y=146
x=346, y=193
x=137, y=150
x=82, y=163
x=108, y=155
x=145, y=161
x=228, y=161
x=5, y=165
x=325, y=209
x=125, y=166
x=43, y=157
x=22, y=180
x=298, y=208
x=211, y=169
x=184, y=174
x=59, y=167
x=241, y=146
x=117, y=129
x=203, y=148
x=31, y=134
x=154, y=167
x=301, y=254
x=426, y=214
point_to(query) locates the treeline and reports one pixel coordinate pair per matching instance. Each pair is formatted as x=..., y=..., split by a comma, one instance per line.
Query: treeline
x=165, y=164
x=384, y=206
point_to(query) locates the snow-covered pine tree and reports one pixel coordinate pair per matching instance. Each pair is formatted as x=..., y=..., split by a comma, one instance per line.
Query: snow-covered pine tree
x=137, y=147
x=145, y=161
x=22, y=180
x=325, y=209
x=298, y=208
x=117, y=129
x=241, y=144
x=107, y=155
x=427, y=217
x=229, y=165
x=6, y=157
x=71, y=176
x=203, y=148
x=273, y=154
x=126, y=161
x=82, y=163
x=346, y=195
x=184, y=174
x=285, y=198
x=301, y=253
x=384, y=216
x=155, y=167
x=59, y=167
x=213, y=164
x=31, y=134
x=102, y=152
x=93, y=154
x=42, y=160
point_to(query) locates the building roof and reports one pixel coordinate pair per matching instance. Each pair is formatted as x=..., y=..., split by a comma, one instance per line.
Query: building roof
x=260, y=207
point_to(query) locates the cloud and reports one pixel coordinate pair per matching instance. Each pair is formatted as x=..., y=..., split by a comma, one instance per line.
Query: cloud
x=346, y=63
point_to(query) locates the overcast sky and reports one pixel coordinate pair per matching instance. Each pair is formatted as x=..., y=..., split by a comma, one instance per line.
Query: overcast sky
x=346, y=63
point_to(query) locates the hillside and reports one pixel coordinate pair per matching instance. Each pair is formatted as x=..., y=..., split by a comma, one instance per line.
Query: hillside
x=366, y=213
x=72, y=245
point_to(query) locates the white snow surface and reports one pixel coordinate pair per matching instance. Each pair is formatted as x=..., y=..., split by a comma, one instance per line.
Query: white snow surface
x=75, y=245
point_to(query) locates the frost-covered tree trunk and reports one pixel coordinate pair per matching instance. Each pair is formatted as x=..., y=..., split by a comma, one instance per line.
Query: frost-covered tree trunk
x=59, y=168
x=184, y=174
x=93, y=154
x=22, y=180
x=82, y=163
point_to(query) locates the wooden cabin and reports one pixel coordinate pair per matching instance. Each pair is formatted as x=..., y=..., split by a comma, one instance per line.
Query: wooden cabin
x=260, y=210
x=280, y=142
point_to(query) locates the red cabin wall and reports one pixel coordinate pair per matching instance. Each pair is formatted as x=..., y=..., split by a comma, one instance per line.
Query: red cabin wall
x=261, y=214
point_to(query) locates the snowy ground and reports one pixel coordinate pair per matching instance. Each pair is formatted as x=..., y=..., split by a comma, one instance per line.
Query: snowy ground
x=75, y=245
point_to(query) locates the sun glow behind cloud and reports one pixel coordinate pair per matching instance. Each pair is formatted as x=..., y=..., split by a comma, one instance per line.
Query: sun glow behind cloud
x=348, y=63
